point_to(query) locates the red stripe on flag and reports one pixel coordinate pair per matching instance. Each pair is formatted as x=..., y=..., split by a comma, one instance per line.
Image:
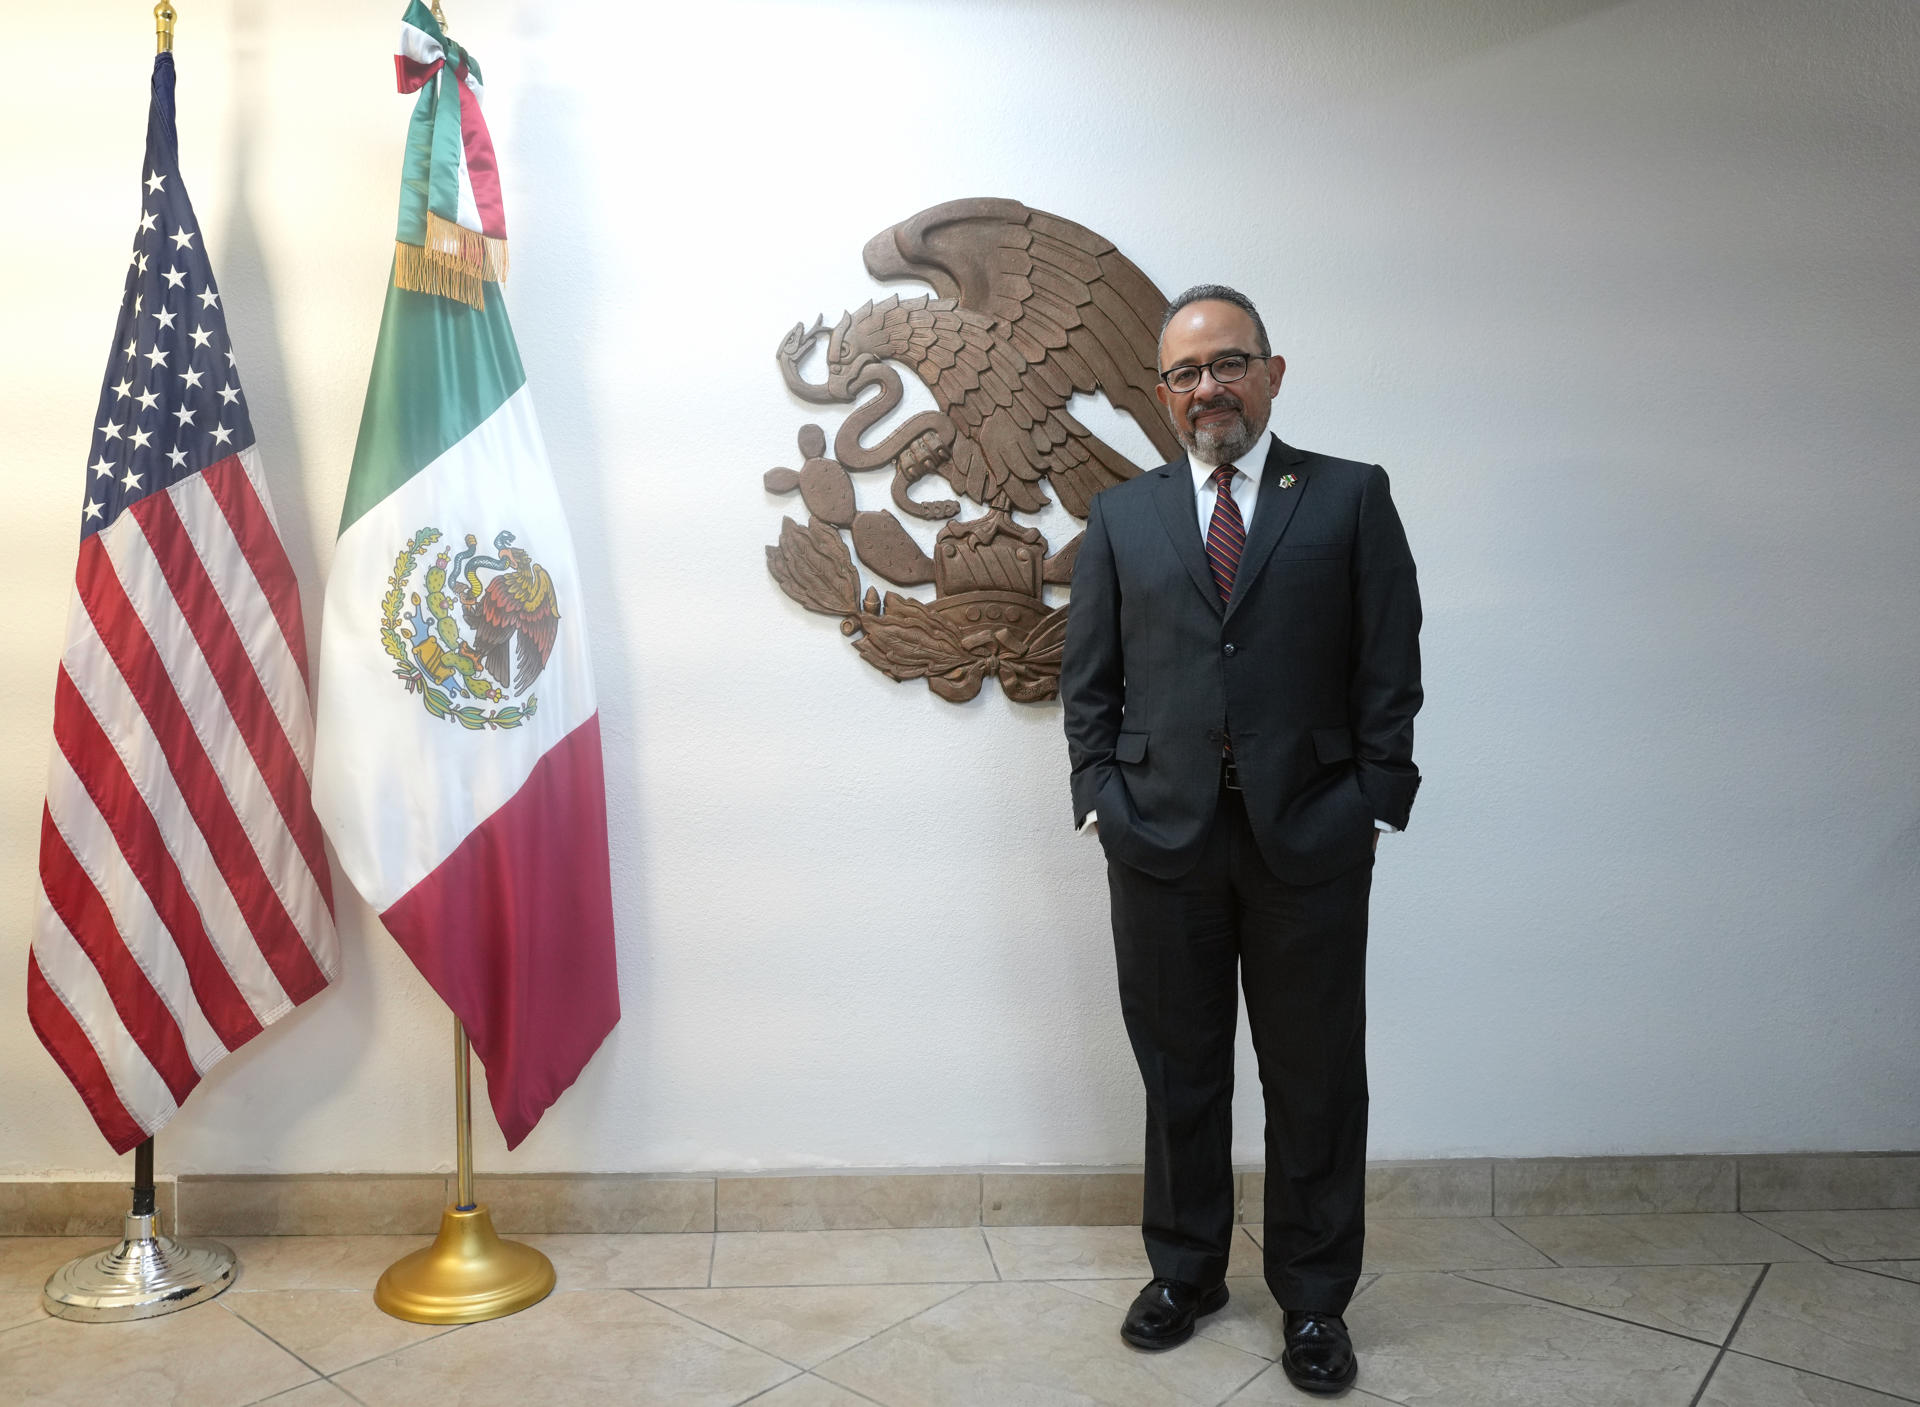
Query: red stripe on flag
x=514, y=930
x=411, y=75
x=74, y=898
x=66, y=1041
x=232, y=488
x=483, y=171
x=133, y=652
x=98, y=765
x=233, y=671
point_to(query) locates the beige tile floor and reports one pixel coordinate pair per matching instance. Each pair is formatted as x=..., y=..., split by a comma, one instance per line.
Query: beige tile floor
x=1639, y=1310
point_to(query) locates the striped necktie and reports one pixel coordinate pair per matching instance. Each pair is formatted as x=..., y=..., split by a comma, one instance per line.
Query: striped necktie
x=1226, y=535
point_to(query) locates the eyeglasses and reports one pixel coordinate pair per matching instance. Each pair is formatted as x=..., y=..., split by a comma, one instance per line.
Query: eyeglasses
x=1226, y=370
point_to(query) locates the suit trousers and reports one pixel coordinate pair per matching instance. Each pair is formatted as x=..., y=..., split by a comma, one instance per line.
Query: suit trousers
x=1301, y=955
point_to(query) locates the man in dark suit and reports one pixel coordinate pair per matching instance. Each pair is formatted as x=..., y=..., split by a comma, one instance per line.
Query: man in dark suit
x=1241, y=673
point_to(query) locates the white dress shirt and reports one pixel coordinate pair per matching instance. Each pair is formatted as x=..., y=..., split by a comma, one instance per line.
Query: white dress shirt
x=1245, y=488
x=1246, y=484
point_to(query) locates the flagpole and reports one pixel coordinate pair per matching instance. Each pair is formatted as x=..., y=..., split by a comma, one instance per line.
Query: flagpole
x=462, y=1119
x=469, y=1273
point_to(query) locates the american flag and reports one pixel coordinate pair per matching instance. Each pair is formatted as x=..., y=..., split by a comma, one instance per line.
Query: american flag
x=185, y=896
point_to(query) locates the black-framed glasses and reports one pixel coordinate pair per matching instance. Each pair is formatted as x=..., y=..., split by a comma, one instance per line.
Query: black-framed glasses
x=1226, y=370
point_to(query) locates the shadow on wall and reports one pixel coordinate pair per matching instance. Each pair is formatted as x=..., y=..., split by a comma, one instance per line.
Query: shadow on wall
x=246, y=290
x=556, y=292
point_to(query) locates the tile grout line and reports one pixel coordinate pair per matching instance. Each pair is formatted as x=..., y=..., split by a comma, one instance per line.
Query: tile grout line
x=236, y=1314
x=751, y=1347
x=1596, y=1313
x=1501, y=1223
x=1824, y=1377
x=27, y=1323
x=819, y=1284
x=800, y=1368
x=853, y=1392
x=1866, y=1268
x=959, y=1289
x=992, y=1259
x=390, y=1353
x=288, y=1392
x=1266, y=1364
x=1827, y=1259
x=765, y=1390
x=1732, y=1333
x=344, y=1392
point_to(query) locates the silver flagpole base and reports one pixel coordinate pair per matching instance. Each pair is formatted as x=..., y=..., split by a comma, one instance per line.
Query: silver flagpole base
x=146, y=1275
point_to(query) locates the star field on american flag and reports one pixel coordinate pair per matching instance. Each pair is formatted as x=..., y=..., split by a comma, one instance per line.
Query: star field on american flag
x=171, y=403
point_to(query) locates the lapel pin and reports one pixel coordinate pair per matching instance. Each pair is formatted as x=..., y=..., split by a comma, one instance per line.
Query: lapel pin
x=1287, y=481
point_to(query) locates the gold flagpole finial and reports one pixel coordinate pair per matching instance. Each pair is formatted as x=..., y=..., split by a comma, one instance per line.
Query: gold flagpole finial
x=440, y=18
x=163, y=17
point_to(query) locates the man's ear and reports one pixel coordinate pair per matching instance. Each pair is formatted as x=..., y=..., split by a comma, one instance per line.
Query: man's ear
x=1276, y=368
x=1164, y=396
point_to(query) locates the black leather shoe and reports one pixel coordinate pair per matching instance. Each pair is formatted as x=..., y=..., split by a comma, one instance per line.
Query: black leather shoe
x=1162, y=1314
x=1319, y=1354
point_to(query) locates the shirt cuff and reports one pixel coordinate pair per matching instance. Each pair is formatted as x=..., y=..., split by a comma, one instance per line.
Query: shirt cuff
x=1386, y=829
x=1090, y=826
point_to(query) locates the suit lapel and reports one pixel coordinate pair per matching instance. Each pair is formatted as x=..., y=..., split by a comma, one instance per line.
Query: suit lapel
x=1173, y=496
x=1270, y=516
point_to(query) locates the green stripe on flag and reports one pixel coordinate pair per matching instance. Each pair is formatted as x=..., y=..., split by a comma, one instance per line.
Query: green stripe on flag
x=440, y=369
x=416, y=169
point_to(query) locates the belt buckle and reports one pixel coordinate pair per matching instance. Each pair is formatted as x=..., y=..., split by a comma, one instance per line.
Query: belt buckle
x=1229, y=774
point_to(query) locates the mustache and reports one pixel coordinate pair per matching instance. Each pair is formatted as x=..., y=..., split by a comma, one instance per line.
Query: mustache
x=1224, y=400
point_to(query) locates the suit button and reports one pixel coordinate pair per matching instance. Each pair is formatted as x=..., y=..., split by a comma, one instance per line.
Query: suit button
x=1226, y=649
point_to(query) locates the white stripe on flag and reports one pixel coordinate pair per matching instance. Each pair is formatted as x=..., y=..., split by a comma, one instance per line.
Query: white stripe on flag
x=98, y=682
x=418, y=45
x=141, y=929
x=469, y=207
x=248, y=608
x=199, y=693
x=77, y=984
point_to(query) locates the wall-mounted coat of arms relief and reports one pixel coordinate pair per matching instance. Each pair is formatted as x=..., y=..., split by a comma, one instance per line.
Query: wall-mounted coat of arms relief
x=1028, y=309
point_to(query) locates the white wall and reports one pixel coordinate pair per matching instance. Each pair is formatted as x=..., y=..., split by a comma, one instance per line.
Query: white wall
x=1623, y=295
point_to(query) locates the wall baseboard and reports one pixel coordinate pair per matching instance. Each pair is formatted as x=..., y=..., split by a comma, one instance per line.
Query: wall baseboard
x=341, y=1204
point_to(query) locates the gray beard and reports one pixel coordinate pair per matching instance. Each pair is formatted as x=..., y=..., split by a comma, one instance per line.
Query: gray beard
x=1218, y=447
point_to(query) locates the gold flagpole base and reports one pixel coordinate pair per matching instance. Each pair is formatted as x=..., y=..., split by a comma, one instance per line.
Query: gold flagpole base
x=468, y=1274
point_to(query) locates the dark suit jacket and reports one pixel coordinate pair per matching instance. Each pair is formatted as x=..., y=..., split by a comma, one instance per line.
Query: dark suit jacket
x=1314, y=667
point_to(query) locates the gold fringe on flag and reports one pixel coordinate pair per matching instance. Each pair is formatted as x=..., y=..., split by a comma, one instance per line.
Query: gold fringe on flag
x=496, y=269
x=422, y=271
x=454, y=263
x=455, y=242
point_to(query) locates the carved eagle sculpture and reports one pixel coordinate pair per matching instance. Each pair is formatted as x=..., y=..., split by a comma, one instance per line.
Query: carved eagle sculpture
x=1029, y=309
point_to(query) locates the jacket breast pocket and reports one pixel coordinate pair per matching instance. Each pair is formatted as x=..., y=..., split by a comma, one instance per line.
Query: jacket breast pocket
x=1130, y=747
x=1312, y=552
x=1333, y=745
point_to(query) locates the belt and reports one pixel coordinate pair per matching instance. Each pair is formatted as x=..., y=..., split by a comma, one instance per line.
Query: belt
x=1229, y=774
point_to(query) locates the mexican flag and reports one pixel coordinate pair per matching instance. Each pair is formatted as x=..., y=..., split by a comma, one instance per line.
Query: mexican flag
x=457, y=764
